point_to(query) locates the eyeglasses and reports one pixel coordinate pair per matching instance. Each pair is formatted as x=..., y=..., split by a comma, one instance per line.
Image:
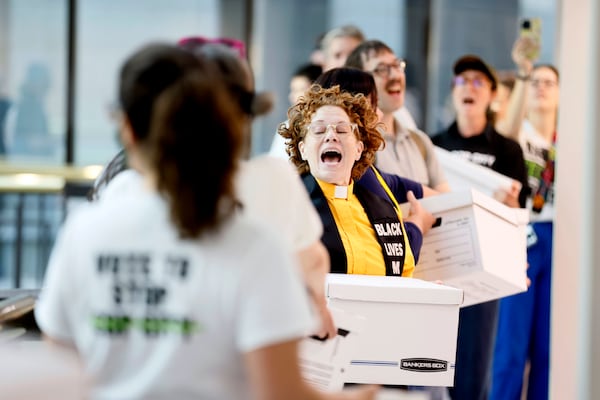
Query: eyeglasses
x=462, y=81
x=194, y=41
x=543, y=82
x=341, y=128
x=384, y=70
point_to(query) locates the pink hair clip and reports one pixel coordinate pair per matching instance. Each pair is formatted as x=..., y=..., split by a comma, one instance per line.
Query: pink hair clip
x=192, y=41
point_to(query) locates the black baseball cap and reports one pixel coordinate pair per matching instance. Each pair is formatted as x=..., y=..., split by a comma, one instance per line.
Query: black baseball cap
x=472, y=62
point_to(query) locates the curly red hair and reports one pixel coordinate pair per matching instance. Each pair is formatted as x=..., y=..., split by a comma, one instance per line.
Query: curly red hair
x=359, y=110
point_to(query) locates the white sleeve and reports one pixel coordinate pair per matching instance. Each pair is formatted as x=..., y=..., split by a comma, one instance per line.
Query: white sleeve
x=307, y=224
x=273, y=304
x=51, y=309
x=278, y=146
x=434, y=167
x=272, y=191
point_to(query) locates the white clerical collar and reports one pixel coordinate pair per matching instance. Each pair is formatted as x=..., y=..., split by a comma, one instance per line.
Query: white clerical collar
x=340, y=192
x=333, y=191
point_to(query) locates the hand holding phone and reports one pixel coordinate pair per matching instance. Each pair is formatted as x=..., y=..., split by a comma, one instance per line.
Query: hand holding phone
x=530, y=35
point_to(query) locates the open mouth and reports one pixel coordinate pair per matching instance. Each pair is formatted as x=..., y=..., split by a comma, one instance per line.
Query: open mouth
x=468, y=100
x=394, y=88
x=331, y=156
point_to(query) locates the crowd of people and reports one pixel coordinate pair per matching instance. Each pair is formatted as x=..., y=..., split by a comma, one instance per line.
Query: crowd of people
x=191, y=276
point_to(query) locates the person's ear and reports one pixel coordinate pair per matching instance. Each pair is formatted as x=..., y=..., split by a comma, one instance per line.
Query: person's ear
x=126, y=132
x=301, y=150
x=360, y=146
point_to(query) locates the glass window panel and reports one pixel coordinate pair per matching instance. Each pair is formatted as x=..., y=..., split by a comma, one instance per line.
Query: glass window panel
x=33, y=79
x=108, y=31
x=33, y=57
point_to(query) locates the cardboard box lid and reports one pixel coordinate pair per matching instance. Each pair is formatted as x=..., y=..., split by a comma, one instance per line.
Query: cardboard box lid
x=465, y=198
x=390, y=290
x=463, y=174
x=522, y=215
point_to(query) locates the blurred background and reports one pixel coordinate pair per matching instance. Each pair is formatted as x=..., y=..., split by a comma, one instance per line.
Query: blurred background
x=58, y=66
x=59, y=61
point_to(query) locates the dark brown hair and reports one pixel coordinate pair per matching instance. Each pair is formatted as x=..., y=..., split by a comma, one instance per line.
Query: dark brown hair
x=365, y=51
x=352, y=80
x=176, y=109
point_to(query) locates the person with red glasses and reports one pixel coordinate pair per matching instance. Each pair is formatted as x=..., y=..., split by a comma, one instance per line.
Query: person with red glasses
x=473, y=136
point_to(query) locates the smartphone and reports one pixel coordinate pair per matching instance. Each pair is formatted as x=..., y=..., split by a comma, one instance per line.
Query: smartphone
x=532, y=29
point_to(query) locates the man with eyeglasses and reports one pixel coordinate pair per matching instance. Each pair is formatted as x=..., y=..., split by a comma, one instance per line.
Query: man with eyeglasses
x=408, y=152
x=474, y=137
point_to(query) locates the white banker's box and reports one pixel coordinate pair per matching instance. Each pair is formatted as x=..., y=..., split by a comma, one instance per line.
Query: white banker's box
x=410, y=330
x=479, y=246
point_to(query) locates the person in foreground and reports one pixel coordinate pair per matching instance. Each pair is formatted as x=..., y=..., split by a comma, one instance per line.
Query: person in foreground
x=167, y=290
x=332, y=139
x=265, y=186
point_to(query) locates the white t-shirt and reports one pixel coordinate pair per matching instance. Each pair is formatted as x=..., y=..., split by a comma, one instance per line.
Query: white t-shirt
x=271, y=190
x=535, y=151
x=154, y=316
x=278, y=147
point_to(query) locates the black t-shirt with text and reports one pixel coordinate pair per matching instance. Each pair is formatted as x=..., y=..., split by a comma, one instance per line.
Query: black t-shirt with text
x=489, y=149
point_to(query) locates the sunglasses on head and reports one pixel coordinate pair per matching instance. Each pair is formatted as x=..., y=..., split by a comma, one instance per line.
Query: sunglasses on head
x=233, y=44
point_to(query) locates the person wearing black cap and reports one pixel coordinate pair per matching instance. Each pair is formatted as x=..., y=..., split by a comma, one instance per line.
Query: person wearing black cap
x=473, y=136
